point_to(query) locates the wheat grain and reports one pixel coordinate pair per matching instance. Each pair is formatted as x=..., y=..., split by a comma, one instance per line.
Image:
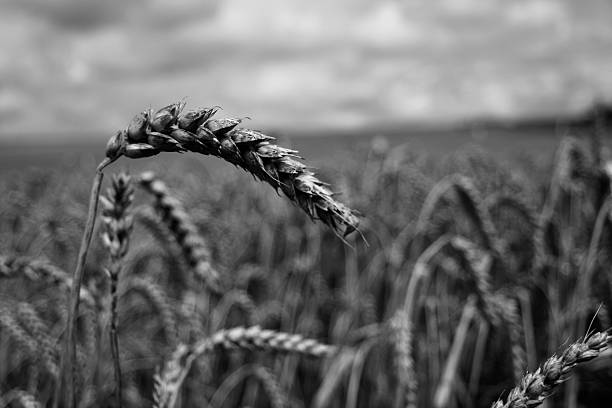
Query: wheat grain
x=169, y=130
x=535, y=387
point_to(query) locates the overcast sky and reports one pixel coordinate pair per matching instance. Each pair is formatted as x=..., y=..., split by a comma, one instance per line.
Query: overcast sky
x=74, y=65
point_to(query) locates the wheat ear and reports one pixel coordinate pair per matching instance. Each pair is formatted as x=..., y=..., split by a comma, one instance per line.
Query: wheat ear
x=569, y=165
x=402, y=342
x=169, y=381
x=118, y=225
x=22, y=338
x=535, y=387
x=183, y=229
x=171, y=130
x=470, y=201
x=31, y=321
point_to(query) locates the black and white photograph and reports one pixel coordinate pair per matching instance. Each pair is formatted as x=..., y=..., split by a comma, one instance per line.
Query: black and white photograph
x=305, y=204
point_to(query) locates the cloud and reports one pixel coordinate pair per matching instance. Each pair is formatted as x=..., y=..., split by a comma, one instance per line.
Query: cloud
x=87, y=64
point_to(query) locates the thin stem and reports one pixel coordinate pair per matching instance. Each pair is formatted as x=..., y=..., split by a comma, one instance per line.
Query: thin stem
x=445, y=388
x=114, y=341
x=68, y=363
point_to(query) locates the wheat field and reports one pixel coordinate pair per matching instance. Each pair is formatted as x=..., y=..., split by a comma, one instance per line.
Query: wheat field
x=406, y=281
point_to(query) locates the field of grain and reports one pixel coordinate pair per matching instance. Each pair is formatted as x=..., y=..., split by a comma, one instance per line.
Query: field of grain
x=468, y=281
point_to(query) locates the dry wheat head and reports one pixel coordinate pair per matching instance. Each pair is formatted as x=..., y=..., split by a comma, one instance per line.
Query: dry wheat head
x=171, y=130
x=535, y=387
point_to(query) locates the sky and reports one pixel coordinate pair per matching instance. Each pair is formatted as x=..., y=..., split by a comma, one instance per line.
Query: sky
x=87, y=66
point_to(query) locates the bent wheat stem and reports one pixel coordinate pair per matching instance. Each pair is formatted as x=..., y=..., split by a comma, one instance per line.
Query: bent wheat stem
x=69, y=356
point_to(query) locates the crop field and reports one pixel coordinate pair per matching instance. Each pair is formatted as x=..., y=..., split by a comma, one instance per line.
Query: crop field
x=467, y=278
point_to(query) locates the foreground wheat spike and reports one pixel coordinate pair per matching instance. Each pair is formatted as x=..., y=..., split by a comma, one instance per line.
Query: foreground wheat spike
x=535, y=387
x=170, y=130
x=118, y=224
x=169, y=381
x=184, y=230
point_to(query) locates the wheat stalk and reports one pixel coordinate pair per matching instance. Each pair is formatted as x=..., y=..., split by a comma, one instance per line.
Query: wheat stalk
x=118, y=225
x=478, y=266
x=170, y=130
x=169, y=381
x=535, y=387
x=183, y=229
x=444, y=390
x=68, y=366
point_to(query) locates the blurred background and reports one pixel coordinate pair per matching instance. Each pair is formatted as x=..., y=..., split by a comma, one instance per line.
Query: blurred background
x=487, y=122
x=74, y=71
